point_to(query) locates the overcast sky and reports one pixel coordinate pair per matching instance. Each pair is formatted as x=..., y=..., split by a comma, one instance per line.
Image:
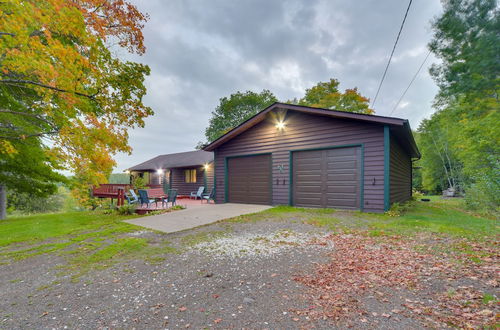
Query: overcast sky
x=202, y=50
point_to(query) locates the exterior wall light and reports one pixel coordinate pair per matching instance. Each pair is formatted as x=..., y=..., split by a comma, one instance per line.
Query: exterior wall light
x=206, y=166
x=159, y=171
x=280, y=125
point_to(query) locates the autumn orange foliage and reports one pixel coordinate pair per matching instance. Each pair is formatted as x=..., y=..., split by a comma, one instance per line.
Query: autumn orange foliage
x=57, y=63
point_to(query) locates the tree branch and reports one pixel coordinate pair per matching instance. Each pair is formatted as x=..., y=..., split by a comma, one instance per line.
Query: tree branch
x=32, y=115
x=25, y=136
x=7, y=34
x=30, y=82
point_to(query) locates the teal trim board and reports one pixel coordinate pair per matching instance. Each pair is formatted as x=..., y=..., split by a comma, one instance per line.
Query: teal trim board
x=290, y=179
x=387, y=169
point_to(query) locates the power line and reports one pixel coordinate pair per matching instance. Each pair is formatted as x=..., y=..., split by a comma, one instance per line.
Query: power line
x=411, y=82
x=392, y=53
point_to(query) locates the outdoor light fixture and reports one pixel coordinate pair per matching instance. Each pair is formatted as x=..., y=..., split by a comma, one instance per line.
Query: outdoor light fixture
x=159, y=171
x=280, y=125
x=206, y=166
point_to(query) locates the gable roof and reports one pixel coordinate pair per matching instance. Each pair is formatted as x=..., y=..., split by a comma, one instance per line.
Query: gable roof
x=401, y=127
x=181, y=159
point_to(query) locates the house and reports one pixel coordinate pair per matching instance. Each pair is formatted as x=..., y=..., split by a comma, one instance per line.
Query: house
x=184, y=171
x=310, y=157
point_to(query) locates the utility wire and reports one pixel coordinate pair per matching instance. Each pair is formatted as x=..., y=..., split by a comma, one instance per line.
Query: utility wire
x=392, y=53
x=411, y=82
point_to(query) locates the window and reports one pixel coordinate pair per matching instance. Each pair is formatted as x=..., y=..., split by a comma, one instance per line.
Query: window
x=190, y=176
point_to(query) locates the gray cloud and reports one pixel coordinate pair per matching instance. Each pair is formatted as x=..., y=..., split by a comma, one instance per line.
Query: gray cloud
x=200, y=51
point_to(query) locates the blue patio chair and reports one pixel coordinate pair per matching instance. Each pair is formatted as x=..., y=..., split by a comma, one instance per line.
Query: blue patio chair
x=197, y=194
x=171, y=198
x=143, y=196
x=209, y=197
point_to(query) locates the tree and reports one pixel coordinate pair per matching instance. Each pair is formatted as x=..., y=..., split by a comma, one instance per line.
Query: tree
x=441, y=168
x=61, y=84
x=467, y=41
x=234, y=110
x=327, y=95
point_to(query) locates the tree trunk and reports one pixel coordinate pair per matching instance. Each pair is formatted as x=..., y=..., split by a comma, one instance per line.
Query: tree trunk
x=3, y=201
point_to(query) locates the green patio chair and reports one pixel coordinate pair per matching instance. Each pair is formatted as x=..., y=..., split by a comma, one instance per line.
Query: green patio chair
x=209, y=197
x=143, y=196
x=171, y=198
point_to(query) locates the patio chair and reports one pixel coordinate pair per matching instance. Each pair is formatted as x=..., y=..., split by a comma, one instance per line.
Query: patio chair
x=143, y=196
x=197, y=194
x=133, y=194
x=132, y=199
x=171, y=198
x=209, y=197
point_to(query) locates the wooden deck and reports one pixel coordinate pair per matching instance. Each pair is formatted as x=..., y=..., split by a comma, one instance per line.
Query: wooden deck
x=181, y=200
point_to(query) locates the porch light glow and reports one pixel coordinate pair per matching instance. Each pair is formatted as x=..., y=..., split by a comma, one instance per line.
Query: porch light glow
x=280, y=125
x=206, y=166
x=159, y=171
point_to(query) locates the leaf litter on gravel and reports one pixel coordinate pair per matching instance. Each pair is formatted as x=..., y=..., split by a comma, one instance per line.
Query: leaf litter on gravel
x=361, y=265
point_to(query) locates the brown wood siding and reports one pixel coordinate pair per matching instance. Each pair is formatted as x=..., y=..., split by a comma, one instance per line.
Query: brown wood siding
x=400, y=174
x=178, y=178
x=249, y=179
x=210, y=177
x=327, y=178
x=304, y=131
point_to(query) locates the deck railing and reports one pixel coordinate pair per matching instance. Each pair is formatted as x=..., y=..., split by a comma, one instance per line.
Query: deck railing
x=116, y=190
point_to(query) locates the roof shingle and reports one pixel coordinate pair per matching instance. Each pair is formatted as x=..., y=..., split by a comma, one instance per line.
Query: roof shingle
x=181, y=159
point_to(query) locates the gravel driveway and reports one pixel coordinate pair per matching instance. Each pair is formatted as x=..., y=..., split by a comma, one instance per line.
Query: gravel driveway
x=231, y=274
x=196, y=288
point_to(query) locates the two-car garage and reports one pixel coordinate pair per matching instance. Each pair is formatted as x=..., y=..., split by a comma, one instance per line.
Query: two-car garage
x=320, y=178
x=310, y=157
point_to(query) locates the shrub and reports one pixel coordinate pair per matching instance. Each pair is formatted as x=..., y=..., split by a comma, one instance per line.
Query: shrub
x=126, y=209
x=398, y=209
x=484, y=195
x=25, y=203
x=416, y=195
x=138, y=182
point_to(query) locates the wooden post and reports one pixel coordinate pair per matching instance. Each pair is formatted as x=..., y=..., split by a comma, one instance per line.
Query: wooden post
x=3, y=201
x=121, y=196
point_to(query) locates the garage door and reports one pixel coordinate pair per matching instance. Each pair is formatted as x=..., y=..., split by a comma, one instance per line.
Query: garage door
x=249, y=179
x=327, y=178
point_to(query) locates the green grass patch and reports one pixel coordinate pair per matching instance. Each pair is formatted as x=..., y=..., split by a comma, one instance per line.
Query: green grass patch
x=435, y=217
x=326, y=221
x=50, y=226
x=86, y=240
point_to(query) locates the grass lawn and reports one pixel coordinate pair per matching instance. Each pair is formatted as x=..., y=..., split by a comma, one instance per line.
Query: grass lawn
x=91, y=240
x=436, y=263
x=87, y=240
x=441, y=216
